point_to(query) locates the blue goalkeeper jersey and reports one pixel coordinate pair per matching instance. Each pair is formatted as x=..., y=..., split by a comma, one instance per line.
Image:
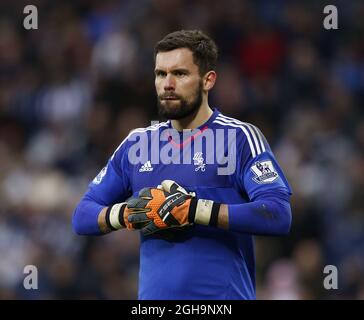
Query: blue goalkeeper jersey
x=224, y=160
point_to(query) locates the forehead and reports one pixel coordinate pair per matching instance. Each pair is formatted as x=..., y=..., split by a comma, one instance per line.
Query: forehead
x=174, y=59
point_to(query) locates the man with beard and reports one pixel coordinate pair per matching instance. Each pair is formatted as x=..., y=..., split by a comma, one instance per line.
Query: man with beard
x=196, y=222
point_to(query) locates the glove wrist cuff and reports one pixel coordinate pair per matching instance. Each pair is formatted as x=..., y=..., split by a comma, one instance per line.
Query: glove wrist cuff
x=192, y=210
x=115, y=216
x=206, y=212
x=214, y=214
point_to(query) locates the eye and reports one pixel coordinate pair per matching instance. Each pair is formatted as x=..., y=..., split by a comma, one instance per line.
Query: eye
x=160, y=73
x=179, y=73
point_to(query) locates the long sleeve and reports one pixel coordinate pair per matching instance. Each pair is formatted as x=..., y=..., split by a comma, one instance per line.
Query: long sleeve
x=269, y=215
x=268, y=211
x=85, y=217
x=110, y=186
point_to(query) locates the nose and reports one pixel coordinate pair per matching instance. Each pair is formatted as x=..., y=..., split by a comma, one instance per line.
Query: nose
x=169, y=83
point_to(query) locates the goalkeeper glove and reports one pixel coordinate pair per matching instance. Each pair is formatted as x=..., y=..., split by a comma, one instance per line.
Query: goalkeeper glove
x=117, y=217
x=170, y=207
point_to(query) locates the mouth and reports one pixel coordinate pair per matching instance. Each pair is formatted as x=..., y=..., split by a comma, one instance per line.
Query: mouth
x=169, y=98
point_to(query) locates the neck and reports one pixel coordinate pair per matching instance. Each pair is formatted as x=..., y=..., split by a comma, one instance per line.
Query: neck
x=195, y=120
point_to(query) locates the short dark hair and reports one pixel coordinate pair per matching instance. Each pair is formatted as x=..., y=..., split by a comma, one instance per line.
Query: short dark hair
x=204, y=49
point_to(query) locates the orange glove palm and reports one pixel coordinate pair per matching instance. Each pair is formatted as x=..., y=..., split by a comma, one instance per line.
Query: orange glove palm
x=170, y=206
x=161, y=208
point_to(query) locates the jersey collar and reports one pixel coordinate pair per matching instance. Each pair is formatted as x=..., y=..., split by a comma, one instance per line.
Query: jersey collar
x=195, y=132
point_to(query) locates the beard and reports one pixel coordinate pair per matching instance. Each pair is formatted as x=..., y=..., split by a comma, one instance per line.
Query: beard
x=170, y=110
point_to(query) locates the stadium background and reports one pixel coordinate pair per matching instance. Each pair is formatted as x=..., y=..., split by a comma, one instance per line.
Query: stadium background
x=71, y=91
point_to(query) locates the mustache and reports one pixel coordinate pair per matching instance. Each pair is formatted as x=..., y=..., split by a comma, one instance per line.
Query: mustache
x=169, y=95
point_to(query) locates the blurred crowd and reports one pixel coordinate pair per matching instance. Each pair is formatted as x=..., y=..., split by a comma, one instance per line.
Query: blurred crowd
x=72, y=90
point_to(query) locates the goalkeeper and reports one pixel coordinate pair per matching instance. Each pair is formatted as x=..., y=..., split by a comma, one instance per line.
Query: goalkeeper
x=196, y=224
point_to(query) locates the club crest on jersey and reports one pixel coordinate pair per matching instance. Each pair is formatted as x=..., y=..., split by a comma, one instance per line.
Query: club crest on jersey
x=264, y=172
x=100, y=176
x=199, y=161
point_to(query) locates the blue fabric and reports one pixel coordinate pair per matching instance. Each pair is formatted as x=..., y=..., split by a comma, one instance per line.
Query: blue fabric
x=271, y=216
x=197, y=262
